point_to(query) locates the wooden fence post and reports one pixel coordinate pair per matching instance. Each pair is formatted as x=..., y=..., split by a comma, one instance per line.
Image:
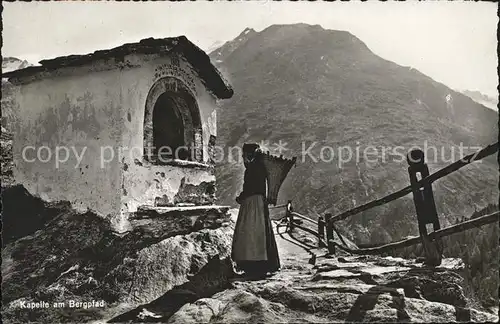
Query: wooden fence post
x=329, y=233
x=425, y=207
x=321, y=231
x=289, y=210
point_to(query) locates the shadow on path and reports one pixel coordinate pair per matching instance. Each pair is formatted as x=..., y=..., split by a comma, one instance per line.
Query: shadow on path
x=368, y=301
x=307, y=248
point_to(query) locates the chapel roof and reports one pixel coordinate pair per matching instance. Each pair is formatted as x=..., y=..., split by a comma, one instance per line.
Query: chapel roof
x=194, y=55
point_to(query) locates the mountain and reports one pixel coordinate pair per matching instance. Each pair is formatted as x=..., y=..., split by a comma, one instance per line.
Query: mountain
x=483, y=99
x=215, y=45
x=8, y=117
x=8, y=113
x=302, y=84
x=219, y=54
x=11, y=64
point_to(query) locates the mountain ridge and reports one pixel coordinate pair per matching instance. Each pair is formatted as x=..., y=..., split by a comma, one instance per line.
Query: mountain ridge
x=13, y=63
x=482, y=98
x=327, y=86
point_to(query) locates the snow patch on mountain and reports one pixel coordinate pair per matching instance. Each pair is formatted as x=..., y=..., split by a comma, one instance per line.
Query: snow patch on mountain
x=483, y=99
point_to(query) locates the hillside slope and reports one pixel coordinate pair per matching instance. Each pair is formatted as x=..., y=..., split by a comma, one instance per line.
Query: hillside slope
x=483, y=99
x=302, y=84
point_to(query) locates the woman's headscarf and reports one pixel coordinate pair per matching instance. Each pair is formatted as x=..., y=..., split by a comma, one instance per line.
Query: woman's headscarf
x=251, y=151
x=250, y=148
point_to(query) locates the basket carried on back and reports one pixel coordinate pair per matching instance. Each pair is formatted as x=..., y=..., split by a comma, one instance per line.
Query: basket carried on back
x=277, y=169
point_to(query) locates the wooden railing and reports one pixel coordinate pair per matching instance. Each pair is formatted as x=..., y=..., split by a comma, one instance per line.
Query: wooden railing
x=424, y=205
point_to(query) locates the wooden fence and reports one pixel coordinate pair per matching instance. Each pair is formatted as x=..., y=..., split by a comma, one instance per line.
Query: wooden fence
x=424, y=206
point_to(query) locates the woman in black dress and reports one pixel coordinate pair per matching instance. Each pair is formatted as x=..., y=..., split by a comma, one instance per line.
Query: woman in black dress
x=254, y=247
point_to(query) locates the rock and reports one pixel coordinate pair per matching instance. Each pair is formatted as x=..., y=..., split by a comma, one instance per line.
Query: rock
x=234, y=306
x=201, y=311
x=439, y=287
x=24, y=214
x=177, y=273
x=158, y=268
x=363, y=289
x=202, y=194
x=76, y=257
x=211, y=279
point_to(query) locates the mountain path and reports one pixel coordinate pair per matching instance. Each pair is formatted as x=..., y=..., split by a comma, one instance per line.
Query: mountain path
x=338, y=288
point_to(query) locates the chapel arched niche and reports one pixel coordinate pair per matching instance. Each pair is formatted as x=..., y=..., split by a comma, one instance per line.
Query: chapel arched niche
x=172, y=123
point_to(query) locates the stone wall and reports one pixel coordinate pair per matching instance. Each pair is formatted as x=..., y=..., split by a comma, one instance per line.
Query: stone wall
x=80, y=114
x=144, y=183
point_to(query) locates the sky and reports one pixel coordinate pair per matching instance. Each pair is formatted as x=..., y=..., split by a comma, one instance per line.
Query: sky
x=452, y=42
